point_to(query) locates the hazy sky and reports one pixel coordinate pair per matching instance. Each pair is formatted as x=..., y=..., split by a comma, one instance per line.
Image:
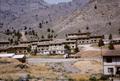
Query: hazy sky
x=56, y=1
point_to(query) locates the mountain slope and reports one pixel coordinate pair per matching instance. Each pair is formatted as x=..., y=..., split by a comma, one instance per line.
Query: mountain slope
x=101, y=16
x=20, y=13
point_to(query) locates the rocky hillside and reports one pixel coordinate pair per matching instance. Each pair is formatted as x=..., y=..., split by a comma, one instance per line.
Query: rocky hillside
x=98, y=17
x=20, y=13
x=45, y=20
x=34, y=15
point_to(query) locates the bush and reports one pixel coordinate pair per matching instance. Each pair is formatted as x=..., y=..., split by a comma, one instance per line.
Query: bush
x=111, y=46
x=70, y=79
x=103, y=77
x=93, y=79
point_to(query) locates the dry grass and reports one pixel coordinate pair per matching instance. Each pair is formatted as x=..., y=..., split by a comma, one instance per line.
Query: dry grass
x=41, y=70
x=9, y=69
x=79, y=77
x=8, y=60
x=89, y=67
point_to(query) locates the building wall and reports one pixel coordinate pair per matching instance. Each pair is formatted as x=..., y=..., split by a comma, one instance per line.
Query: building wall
x=56, y=49
x=4, y=45
x=84, y=41
x=95, y=40
x=43, y=50
x=107, y=72
x=115, y=62
x=74, y=36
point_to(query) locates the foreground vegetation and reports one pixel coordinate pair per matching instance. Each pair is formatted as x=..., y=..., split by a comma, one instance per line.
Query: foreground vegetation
x=13, y=70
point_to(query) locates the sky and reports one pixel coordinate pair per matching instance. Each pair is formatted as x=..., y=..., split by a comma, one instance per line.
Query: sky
x=56, y=1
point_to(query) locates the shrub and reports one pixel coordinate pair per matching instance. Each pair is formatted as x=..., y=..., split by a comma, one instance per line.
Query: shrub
x=70, y=79
x=111, y=46
x=103, y=77
x=93, y=79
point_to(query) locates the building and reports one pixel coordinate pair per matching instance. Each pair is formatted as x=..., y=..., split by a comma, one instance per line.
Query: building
x=84, y=38
x=4, y=44
x=55, y=46
x=43, y=47
x=58, y=46
x=111, y=63
x=21, y=57
x=19, y=49
x=116, y=40
x=6, y=55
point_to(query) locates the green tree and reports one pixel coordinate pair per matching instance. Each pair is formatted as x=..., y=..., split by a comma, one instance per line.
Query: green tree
x=25, y=28
x=79, y=31
x=11, y=41
x=67, y=49
x=35, y=51
x=119, y=30
x=93, y=79
x=110, y=37
x=49, y=36
x=95, y=7
x=87, y=28
x=18, y=34
x=16, y=42
x=76, y=49
x=42, y=37
x=52, y=31
x=40, y=25
x=48, y=30
x=101, y=43
x=33, y=32
x=29, y=48
x=111, y=46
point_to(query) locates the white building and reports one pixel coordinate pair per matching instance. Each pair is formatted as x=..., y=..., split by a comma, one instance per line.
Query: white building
x=111, y=63
x=6, y=55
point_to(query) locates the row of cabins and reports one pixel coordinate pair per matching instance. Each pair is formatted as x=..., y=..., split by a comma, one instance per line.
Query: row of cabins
x=84, y=38
x=19, y=49
x=53, y=47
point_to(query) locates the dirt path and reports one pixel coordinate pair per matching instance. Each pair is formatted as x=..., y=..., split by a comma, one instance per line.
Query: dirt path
x=47, y=60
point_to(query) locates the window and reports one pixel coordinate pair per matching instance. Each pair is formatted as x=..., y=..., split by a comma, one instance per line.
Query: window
x=109, y=60
x=110, y=70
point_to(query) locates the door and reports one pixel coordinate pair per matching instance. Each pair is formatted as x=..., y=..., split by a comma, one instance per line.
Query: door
x=118, y=70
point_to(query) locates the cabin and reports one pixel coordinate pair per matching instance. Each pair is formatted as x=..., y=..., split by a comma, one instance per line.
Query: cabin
x=111, y=63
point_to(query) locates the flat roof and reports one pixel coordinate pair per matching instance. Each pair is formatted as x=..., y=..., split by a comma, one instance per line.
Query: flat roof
x=4, y=55
x=87, y=33
x=112, y=53
x=18, y=56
